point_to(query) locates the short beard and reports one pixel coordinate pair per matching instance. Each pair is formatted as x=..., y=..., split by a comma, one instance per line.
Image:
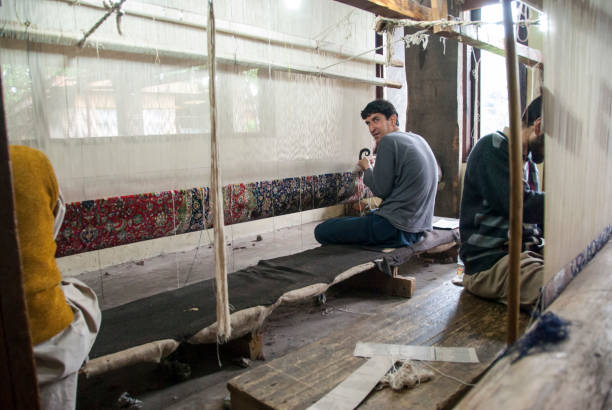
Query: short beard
x=536, y=147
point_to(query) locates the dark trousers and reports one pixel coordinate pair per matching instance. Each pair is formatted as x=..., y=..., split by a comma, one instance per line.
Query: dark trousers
x=371, y=230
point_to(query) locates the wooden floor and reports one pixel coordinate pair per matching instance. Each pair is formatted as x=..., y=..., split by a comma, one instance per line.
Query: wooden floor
x=442, y=315
x=289, y=328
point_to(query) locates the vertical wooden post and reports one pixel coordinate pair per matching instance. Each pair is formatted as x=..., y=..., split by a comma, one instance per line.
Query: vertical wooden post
x=19, y=388
x=224, y=328
x=516, y=177
x=439, y=10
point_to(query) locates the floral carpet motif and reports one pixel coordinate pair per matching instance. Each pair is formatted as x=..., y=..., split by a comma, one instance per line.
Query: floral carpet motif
x=103, y=223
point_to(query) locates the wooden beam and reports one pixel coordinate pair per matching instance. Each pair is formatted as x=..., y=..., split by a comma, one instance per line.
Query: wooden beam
x=471, y=35
x=249, y=345
x=477, y=4
x=393, y=8
x=468, y=35
x=439, y=11
x=412, y=9
x=224, y=326
x=516, y=178
x=19, y=388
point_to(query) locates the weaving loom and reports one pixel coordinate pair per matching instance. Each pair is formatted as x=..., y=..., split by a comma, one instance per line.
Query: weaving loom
x=123, y=100
x=149, y=329
x=578, y=124
x=119, y=112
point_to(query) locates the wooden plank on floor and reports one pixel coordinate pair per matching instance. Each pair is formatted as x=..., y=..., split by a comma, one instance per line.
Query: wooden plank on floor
x=444, y=316
x=576, y=373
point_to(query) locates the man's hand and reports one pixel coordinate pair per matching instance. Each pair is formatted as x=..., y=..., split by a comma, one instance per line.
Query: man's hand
x=364, y=163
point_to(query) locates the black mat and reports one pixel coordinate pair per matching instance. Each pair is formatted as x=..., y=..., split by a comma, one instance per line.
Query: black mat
x=171, y=315
x=181, y=313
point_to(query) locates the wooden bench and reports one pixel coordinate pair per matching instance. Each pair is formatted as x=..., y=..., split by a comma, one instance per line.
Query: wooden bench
x=150, y=329
x=444, y=315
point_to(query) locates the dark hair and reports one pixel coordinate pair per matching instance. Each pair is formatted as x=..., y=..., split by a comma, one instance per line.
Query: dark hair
x=533, y=112
x=379, y=106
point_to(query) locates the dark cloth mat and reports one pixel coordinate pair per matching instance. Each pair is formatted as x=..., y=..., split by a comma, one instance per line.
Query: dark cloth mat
x=171, y=315
x=181, y=313
x=430, y=240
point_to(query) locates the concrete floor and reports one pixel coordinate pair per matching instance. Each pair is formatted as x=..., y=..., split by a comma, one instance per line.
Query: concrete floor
x=288, y=328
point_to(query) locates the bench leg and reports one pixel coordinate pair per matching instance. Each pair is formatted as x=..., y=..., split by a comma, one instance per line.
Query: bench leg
x=374, y=279
x=250, y=345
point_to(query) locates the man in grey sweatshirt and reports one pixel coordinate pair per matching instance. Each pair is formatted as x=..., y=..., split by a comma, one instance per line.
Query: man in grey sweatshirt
x=405, y=176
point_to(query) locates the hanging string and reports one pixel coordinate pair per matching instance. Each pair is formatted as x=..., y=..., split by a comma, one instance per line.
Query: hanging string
x=446, y=375
x=321, y=70
x=523, y=13
x=389, y=39
x=231, y=207
x=210, y=241
x=476, y=109
x=101, y=276
x=443, y=41
x=176, y=262
x=323, y=34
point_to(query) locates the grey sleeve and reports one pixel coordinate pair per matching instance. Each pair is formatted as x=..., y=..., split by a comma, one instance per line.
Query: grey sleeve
x=380, y=179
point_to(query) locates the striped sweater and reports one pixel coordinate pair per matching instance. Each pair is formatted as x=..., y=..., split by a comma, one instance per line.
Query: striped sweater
x=484, y=215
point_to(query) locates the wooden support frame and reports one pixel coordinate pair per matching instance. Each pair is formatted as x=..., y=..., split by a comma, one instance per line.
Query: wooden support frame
x=414, y=10
x=439, y=10
x=19, y=389
x=516, y=178
x=249, y=346
x=374, y=279
x=469, y=34
x=477, y=4
x=393, y=8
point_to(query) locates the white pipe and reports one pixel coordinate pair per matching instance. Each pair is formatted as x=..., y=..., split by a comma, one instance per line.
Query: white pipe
x=57, y=38
x=195, y=20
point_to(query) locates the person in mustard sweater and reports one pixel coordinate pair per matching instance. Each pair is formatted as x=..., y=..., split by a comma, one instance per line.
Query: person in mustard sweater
x=63, y=314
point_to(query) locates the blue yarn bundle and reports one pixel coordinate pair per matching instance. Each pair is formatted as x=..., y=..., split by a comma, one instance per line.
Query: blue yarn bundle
x=549, y=329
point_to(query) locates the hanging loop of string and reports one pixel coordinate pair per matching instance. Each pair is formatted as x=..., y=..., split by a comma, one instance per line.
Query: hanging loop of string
x=524, y=12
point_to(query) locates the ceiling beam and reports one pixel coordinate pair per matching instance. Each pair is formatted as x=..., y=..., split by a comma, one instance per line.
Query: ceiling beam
x=467, y=34
x=477, y=4
x=393, y=8
x=414, y=10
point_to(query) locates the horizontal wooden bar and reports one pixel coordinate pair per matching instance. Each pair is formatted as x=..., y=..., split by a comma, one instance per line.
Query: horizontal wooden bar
x=393, y=8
